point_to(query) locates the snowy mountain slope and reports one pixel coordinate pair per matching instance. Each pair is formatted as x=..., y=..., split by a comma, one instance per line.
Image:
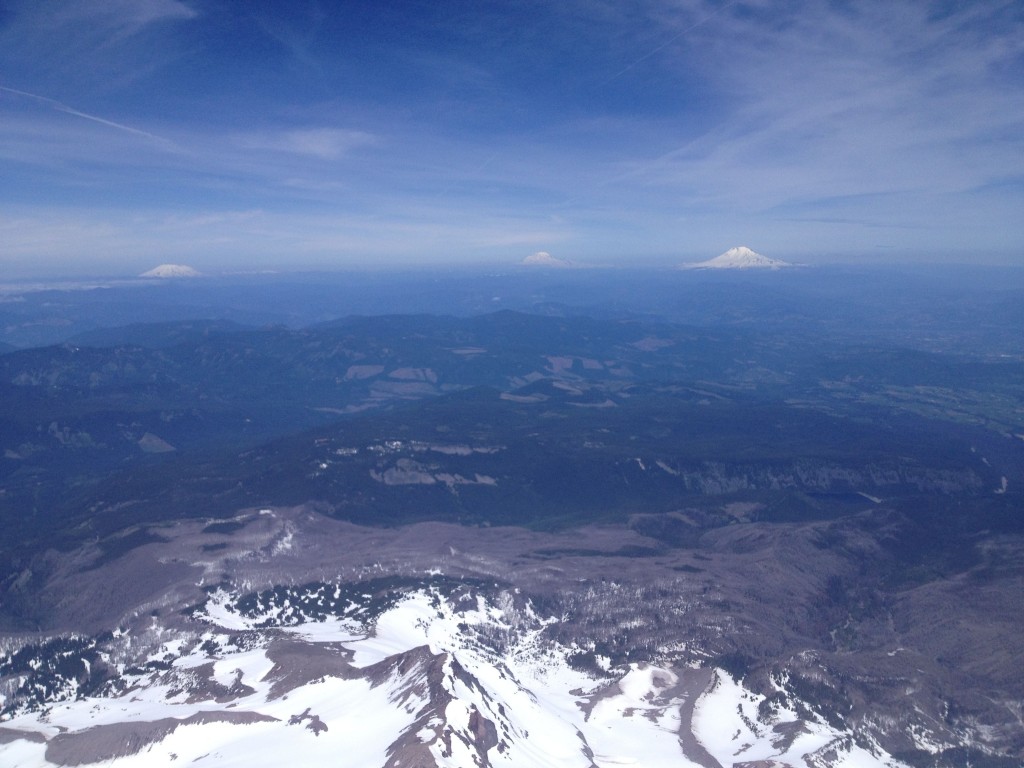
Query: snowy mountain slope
x=414, y=686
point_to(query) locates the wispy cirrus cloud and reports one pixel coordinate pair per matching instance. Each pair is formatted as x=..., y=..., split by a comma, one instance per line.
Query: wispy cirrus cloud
x=112, y=19
x=322, y=143
x=876, y=98
x=86, y=44
x=97, y=20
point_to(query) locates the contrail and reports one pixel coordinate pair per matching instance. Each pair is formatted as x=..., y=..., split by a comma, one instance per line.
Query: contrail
x=61, y=107
x=671, y=40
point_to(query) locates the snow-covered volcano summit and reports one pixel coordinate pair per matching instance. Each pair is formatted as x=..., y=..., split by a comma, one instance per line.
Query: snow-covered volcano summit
x=167, y=271
x=545, y=259
x=740, y=257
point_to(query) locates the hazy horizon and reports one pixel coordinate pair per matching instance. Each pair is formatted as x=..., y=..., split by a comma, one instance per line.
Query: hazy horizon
x=60, y=277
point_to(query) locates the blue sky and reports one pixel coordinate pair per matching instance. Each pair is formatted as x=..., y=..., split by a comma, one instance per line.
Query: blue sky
x=269, y=135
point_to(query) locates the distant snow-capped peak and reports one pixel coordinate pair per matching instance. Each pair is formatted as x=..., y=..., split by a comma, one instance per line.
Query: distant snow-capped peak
x=545, y=259
x=740, y=257
x=165, y=271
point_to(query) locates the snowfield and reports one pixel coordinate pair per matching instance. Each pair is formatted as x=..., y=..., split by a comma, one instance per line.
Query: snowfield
x=415, y=686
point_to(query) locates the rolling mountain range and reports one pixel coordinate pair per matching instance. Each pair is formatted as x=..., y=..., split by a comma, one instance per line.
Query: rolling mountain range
x=702, y=412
